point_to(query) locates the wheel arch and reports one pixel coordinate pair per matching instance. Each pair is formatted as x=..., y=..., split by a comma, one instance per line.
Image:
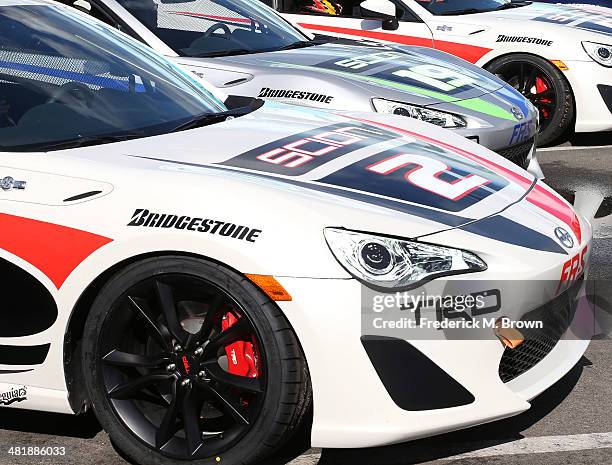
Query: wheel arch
x=517, y=52
x=73, y=334
x=504, y=55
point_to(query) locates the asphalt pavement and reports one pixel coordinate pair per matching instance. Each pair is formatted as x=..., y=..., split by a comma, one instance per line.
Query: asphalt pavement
x=569, y=423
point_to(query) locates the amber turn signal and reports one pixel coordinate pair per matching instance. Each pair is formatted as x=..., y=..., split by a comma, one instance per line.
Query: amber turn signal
x=271, y=287
x=559, y=64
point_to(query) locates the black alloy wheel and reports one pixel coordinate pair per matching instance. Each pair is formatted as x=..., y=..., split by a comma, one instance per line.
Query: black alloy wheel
x=181, y=363
x=545, y=86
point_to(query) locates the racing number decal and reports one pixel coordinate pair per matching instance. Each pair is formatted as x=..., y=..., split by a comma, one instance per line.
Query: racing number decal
x=417, y=172
x=414, y=172
x=368, y=61
x=410, y=70
x=426, y=175
x=439, y=77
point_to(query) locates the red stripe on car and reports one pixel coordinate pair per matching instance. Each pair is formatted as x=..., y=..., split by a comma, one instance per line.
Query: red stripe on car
x=54, y=249
x=471, y=53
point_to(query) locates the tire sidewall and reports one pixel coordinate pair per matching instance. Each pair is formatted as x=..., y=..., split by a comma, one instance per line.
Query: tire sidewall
x=247, y=449
x=564, y=114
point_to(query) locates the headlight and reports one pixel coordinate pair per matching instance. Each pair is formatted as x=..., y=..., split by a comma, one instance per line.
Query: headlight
x=439, y=118
x=601, y=53
x=388, y=263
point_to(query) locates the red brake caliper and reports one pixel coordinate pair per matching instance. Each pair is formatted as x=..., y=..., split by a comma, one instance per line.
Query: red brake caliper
x=241, y=355
x=540, y=88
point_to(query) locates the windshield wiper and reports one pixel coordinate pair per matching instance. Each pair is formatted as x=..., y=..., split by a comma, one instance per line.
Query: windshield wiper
x=512, y=4
x=224, y=53
x=300, y=44
x=467, y=11
x=74, y=143
x=211, y=118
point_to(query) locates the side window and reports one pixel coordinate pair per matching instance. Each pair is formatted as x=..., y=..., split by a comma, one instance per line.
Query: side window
x=345, y=8
x=340, y=8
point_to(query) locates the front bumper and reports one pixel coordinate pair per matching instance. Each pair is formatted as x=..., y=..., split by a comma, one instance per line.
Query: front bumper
x=352, y=407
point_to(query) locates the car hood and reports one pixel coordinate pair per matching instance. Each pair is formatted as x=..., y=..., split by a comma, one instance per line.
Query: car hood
x=443, y=180
x=430, y=77
x=588, y=18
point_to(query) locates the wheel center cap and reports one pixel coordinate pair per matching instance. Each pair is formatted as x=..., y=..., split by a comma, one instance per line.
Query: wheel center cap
x=186, y=364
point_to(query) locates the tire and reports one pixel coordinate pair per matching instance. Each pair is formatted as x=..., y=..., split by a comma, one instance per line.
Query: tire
x=273, y=398
x=555, y=103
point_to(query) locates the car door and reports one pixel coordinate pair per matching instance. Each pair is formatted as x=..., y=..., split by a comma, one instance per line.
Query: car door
x=350, y=23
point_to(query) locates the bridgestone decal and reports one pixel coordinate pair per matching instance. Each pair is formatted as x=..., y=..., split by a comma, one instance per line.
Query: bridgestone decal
x=526, y=40
x=147, y=219
x=294, y=94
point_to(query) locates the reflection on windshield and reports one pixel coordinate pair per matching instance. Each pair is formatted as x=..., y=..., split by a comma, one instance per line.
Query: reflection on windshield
x=199, y=28
x=64, y=78
x=451, y=7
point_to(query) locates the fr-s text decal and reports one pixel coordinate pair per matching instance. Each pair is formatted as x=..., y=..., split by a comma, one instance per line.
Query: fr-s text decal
x=301, y=153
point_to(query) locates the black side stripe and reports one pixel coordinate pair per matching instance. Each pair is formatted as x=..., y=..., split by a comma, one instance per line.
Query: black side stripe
x=23, y=355
x=503, y=229
x=11, y=372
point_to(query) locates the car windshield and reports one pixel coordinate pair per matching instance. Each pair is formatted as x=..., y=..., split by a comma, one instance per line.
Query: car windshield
x=459, y=7
x=66, y=78
x=206, y=28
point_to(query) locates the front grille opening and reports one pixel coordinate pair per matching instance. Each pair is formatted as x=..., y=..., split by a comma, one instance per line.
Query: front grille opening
x=556, y=315
x=518, y=154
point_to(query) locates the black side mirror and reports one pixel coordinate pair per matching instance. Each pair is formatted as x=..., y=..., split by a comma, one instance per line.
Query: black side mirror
x=383, y=10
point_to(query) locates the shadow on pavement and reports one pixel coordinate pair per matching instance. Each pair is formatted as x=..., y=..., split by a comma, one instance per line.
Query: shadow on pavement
x=82, y=426
x=588, y=139
x=491, y=434
x=585, y=139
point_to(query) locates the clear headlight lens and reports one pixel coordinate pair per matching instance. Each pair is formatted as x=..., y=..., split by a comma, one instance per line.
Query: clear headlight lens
x=388, y=263
x=601, y=53
x=439, y=118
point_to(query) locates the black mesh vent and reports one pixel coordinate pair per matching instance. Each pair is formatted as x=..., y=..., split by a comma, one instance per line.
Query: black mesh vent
x=518, y=153
x=556, y=315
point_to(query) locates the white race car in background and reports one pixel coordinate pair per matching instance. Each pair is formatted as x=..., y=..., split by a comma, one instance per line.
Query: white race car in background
x=195, y=277
x=558, y=56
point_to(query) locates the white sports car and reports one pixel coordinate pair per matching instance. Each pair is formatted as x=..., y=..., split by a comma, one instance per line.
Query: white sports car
x=558, y=56
x=194, y=270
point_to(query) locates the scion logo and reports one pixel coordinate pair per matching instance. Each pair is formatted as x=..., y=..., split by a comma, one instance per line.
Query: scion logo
x=300, y=153
x=145, y=218
x=518, y=114
x=14, y=395
x=265, y=92
x=564, y=237
x=526, y=40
